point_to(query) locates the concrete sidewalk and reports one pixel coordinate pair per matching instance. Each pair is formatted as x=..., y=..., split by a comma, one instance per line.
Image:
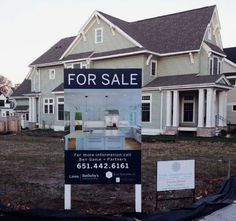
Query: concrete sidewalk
x=228, y=213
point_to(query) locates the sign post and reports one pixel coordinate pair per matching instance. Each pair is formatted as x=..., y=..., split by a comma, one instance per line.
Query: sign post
x=104, y=146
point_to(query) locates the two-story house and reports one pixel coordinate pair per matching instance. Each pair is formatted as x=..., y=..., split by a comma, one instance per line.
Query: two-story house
x=181, y=58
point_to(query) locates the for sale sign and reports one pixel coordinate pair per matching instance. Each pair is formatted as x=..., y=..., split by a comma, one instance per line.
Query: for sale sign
x=103, y=111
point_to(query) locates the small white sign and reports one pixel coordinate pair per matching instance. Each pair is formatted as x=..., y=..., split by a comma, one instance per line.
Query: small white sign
x=175, y=175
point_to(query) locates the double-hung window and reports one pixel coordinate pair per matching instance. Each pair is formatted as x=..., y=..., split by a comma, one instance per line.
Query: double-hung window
x=60, y=108
x=98, y=35
x=146, y=108
x=48, y=105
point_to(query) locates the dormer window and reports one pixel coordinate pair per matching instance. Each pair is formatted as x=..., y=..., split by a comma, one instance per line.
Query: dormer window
x=98, y=35
x=209, y=33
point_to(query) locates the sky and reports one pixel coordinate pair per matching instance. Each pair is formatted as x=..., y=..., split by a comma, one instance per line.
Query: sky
x=30, y=27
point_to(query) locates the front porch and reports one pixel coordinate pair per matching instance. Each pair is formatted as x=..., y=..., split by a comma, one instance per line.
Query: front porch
x=200, y=110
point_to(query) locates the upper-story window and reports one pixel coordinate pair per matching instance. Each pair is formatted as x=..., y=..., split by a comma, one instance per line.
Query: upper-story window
x=209, y=33
x=98, y=35
x=2, y=103
x=153, y=68
x=79, y=65
x=52, y=74
x=215, y=65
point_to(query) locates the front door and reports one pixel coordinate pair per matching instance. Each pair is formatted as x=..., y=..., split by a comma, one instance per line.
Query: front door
x=188, y=109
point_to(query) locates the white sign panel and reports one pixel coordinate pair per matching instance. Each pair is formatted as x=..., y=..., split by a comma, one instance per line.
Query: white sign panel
x=175, y=175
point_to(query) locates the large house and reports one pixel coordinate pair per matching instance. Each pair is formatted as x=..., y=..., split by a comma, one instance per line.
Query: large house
x=181, y=56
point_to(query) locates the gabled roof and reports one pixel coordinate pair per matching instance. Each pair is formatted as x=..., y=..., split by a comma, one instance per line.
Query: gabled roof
x=231, y=54
x=55, y=52
x=23, y=88
x=179, y=32
x=185, y=79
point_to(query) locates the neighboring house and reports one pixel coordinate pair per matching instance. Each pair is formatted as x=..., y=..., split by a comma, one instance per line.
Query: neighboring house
x=6, y=108
x=21, y=99
x=181, y=58
x=230, y=73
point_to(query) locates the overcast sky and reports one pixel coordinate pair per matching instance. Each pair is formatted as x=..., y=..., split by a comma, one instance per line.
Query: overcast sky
x=30, y=27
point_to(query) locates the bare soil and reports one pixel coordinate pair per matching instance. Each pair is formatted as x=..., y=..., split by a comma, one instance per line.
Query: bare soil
x=32, y=175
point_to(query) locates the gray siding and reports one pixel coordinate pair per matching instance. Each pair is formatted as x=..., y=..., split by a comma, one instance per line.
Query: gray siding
x=177, y=65
x=155, y=111
x=110, y=42
x=204, y=62
x=47, y=86
x=227, y=68
x=136, y=61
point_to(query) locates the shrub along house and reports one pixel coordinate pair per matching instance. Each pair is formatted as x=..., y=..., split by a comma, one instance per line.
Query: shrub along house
x=181, y=58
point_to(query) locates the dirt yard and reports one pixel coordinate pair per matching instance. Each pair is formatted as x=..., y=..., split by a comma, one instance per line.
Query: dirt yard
x=32, y=174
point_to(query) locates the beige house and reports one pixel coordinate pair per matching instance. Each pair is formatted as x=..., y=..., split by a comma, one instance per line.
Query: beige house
x=181, y=58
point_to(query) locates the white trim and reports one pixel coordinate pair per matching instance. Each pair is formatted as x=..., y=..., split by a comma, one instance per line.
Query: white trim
x=96, y=35
x=209, y=33
x=147, y=102
x=149, y=131
x=161, y=114
x=189, y=86
x=60, y=102
x=187, y=128
x=48, y=104
x=194, y=110
x=120, y=31
x=58, y=92
x=52, y=74
x=233, y=108
x=118, y=55
x=113, y=56
x=149, y=59
x=155, y=74
x=94, y=15
x=191, y=57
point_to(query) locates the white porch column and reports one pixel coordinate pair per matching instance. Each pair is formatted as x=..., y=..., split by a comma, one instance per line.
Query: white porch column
x=176, y=109
x=168, y=108
x=210, y=112
x=33, y=109
x=213, y=116
x=30, y=109
x=201, y=108
x=222, y=109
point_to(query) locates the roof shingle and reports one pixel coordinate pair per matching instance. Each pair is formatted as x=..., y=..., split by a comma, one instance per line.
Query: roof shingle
x=186, y=79
x=183, y=31
x=23, y=88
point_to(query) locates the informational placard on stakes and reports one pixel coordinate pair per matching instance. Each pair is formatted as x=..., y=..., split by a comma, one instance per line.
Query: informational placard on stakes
x=175, y=175
x=102, y=109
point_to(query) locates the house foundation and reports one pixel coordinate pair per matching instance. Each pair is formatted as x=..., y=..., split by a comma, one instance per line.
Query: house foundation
x=205, y=132
x=171, y=131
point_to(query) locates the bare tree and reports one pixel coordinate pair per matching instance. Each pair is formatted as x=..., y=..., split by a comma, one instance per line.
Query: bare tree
x=5, y=86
